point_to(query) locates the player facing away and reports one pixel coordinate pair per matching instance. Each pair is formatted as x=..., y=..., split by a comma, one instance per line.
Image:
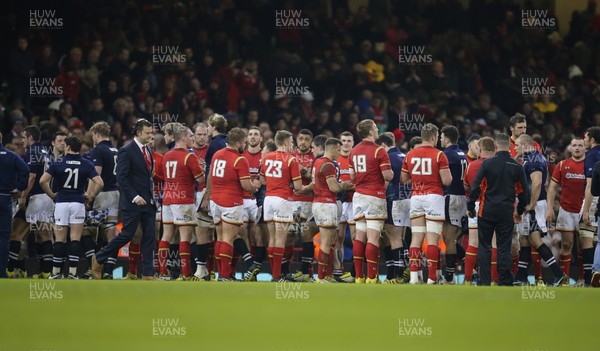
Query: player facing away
x=324, y=207
x=426, y=168
x=533, y=227
x=229, y=178
x=569, y=174
x=70, y=175
x=104, y=158
x=455, y=200
x=486, y=149
x=370, y=169
x=398, y=206
x=182, y=170
x=279, y=169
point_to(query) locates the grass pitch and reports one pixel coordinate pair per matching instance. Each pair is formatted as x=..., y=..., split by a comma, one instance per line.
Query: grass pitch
x=139, y=315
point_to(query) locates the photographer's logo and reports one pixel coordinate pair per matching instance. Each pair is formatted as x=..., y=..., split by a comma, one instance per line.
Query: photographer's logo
x=44, y=87
x=414, y=327
x=537, y=87
x=414, y=55
x=167, y=55
x=290, y=87
x=168, y=327
x=44, y=19
x=159, y=120
x=538, y=19
x=290, y=291
x=537, y=293
x=288, y=19
x=411, y=123
x=44, y=291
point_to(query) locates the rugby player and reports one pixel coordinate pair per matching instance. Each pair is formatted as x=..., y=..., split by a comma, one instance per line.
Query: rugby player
x=426, y=168
x=569, y=174
x=370, y=169
x=589, y=225
x=70, y=174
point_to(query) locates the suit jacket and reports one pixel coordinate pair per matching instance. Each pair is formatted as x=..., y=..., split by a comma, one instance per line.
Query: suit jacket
x=134, y=178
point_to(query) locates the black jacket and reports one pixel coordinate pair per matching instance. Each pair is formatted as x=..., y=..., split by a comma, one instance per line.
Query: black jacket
x=596, y=185
x=134, y=178
x=499, y=180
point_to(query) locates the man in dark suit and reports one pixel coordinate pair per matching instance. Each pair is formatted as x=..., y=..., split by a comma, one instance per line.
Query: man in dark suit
x=135, y=167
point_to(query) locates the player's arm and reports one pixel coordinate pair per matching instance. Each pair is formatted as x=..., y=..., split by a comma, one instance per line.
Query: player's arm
x=248, y=185
x=305, y=189
x=95, y=186
x=45, y=184
x=587, y=202
x=22, y=174
x=551, y=194
x=536, y=189
x=595, y=186
x=475, y=190
x=466, y=184
x=446, y=176
x=388, y=175
x=207, y=192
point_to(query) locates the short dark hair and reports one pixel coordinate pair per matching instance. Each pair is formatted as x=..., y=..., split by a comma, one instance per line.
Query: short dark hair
x=487, y=144
x=451, y=132
x=388, y=139
x=281, y=136
x=594, y=133
x=255, y=128
x=57, y=134
x=140, y=124
x=306, y=132
x=320, y=140
x=415, y=141
x=347, y=134
x=517, y=118
x=474, y=137
x=34, y=132
x=74, y=143
x=503, y=141
x=270, y=146
x=331, y=142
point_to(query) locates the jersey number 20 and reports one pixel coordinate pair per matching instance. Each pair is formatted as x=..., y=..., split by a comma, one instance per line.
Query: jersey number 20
x=422, y=166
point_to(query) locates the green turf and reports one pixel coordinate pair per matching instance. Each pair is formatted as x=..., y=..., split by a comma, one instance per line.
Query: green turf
x=119, y=315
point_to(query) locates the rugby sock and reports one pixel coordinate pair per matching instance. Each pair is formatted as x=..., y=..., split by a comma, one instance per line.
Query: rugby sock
x=358, y=251
x=565, y=263
x=234, y=261
x=537, y=263
x=225, y=254
x=524, y=259
x=414, y=259
x=259, y=255
x=74, y=252
x=240, y=246
x=217, y=256
x=193, y=257
x=270, y=257
x=580, y=262
x=14, y=249
x=330, y=262
x=46, y=254
x=287, y=259
x=432, y=261
x=460, y=253
x=58, y=258
x=163, y=255
x=173, y=260
x=470, y=261
x=323, y=264
x=184, y=254
x=398, y=262
x=450, y=267
x=438, y=265
x=109, y=266
x=210, y=258
x=389, y=262
x=277, y=262
x=372, y=254
x=308, y=252
x=89, y=248
x=495, y=277
x=202, y=255
x=546, y=254
x=515, y=264
x=134, y=257
x=587, y=257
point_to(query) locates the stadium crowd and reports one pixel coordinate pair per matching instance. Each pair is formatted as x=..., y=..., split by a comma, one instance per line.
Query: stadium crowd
x=342, y=68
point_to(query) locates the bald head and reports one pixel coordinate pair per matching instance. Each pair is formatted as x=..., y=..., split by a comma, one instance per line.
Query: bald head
x=525, y=140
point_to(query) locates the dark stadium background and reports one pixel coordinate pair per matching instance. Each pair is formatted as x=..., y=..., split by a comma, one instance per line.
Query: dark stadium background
x=321, y=65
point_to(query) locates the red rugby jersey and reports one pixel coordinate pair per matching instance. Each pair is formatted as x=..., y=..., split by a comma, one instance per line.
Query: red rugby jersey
x=280, y=169
x=368, y=160
x=227, y=168
x=424, y=164
x=323, y=169
x=181, y=168
x=570, y=175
